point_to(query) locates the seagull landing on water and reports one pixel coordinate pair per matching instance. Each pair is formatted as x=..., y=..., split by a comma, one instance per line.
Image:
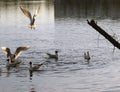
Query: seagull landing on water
x=32, y=18
x=12, y=58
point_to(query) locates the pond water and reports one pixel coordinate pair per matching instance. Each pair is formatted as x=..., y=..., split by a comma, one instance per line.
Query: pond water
x=62, y=26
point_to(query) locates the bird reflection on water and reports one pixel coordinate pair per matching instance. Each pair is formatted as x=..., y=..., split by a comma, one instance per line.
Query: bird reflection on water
x=31, y=74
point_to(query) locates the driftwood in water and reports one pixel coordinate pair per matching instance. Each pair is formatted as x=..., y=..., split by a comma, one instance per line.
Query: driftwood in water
x=105, y=34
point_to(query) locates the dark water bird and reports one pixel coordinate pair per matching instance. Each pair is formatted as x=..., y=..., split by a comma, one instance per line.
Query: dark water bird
x=87, y=56
x=53, y=56
x=12, y=58
x=36, y=67
x=32, y=18
x=15, y=64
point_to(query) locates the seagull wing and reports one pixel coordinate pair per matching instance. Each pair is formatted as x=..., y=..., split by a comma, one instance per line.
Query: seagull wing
x=37, y=11
x=20, y=49
x=6, y=50
x=26, y=12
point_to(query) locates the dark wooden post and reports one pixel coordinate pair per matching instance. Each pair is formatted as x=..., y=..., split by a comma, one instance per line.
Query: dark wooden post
x=105, y=34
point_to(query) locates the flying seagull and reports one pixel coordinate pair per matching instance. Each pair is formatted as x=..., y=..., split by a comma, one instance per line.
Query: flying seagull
x=32, y=18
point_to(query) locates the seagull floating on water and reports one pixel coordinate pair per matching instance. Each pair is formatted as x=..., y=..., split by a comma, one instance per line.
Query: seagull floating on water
x=54, y=56
x=34, y=68
x=32, y=18
x=87, y=56
x=12, y=58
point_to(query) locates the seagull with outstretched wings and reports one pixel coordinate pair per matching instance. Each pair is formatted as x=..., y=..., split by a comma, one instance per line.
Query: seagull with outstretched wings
x=12, y=57
x=32, y=18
